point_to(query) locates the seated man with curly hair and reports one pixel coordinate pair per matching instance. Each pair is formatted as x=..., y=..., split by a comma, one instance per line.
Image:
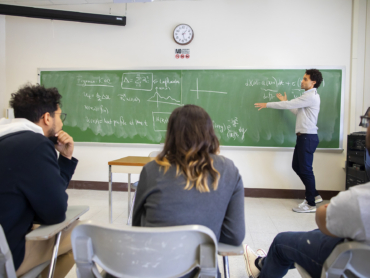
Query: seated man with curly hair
x=33, y=179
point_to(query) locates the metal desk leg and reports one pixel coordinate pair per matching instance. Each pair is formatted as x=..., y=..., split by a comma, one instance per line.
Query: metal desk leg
x=131, y=210
x=55, y=255
x=226, y=266
x=110, y=193
x=129, y=194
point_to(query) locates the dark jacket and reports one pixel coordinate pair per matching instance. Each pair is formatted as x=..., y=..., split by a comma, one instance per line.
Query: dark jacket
x=33, y=183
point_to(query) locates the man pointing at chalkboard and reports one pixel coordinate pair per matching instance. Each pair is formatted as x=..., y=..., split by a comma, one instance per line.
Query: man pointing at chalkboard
x=306, y=108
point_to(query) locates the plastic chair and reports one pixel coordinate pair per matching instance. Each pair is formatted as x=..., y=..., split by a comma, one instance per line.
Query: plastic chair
x=144, y=252
x=43, y=232
x=134, y=187
x=6, y=261
x=348, y=259
x=225, y=251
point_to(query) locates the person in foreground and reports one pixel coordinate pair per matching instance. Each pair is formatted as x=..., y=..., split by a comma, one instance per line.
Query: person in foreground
x=306, y=108
x=33, y=179
x=189, y=183
x=346, y=216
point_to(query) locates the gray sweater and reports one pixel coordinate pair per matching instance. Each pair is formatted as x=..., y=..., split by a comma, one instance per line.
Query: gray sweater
x=162, y=201
x=306, y=108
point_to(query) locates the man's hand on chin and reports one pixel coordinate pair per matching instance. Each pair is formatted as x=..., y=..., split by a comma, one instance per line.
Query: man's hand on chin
x=65, y=144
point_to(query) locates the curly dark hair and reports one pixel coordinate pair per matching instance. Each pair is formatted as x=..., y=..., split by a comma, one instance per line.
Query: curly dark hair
x=315, y=75
x=33, y=101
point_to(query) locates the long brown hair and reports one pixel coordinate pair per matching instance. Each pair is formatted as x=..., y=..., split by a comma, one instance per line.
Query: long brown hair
x=190, y=140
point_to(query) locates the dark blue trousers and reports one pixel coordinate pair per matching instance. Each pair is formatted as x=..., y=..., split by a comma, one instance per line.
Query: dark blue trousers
x=308, y=249
x=302, y=163
x=367, y=163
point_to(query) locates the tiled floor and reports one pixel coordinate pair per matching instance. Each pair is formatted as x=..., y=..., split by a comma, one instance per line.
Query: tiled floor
x=264, y=218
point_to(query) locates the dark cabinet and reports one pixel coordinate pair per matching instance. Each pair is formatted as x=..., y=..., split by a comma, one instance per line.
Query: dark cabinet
x=356, y=156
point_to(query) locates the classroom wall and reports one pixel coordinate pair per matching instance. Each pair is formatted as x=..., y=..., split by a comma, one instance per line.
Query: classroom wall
x=3, y=94
x=366, y=90
x=228, y=34
x=358, y=64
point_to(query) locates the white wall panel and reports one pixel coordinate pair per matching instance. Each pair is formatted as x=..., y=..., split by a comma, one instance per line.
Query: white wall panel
x=228, y=33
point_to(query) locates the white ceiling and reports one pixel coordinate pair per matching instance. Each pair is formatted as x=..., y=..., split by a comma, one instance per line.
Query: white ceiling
x=72, y=2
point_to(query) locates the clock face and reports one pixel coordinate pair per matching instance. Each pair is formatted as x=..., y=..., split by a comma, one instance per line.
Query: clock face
x=183, y=34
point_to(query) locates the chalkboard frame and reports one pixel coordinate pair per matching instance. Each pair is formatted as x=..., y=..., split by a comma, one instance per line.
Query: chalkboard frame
x=223, y=147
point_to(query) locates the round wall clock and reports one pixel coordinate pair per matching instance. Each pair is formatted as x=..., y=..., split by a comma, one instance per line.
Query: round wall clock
x=183, y=34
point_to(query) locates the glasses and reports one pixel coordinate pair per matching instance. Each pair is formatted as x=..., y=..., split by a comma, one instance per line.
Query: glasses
x=364, y=121
x=63, y=116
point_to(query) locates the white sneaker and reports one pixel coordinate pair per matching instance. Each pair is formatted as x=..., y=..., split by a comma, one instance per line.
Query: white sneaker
x=318, y=199
x=305, y=208
x=261, y=253
x=303, y=203
x=250, y=257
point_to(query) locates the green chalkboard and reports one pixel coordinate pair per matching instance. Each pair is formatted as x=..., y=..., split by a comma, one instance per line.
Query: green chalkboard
x=133, y=106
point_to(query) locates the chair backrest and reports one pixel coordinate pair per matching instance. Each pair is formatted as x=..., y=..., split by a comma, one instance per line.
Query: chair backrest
x=6, y=260
x=144, y=252
x=348, y=259
x=154, y=154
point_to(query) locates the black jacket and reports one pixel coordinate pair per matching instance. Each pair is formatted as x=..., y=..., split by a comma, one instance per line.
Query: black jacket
x=33, y=183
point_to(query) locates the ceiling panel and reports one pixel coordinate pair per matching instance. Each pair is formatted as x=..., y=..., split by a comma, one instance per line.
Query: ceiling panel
x=99, y=1
x=68, y=2
x=31, y=3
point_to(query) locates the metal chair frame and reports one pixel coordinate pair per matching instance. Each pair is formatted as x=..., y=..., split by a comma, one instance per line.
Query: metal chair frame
x=348, y=259
x=43, y=232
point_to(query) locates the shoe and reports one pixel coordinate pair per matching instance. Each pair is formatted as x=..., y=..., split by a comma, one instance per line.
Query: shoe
x=304, y=208
x=303, y=203
x=250, y=257
x=318, y=199
x=261, y=253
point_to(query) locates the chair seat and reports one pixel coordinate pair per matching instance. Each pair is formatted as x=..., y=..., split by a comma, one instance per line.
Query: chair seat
x=134, y=185
x=230, y=250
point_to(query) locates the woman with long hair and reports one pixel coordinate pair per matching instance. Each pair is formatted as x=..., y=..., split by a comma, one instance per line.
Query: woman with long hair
x=189, y=183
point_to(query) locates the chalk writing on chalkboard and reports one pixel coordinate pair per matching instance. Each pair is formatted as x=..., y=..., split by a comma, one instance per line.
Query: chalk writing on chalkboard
x=95, y=81
x=204, y=91
x=160, y=120
x=157, y=98
x=123, y=106
x=137, y=81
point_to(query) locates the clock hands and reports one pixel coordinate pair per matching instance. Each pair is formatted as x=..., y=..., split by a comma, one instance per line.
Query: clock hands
x=185, y=31
x=183, y=34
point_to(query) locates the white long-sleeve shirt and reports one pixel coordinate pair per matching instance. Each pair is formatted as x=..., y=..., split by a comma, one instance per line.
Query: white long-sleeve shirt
x=348, y=213
x=306, y=108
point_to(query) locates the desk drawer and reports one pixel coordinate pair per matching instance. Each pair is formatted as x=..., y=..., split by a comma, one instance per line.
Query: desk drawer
x=351, y=181
x=356, y=159
x=358, y=174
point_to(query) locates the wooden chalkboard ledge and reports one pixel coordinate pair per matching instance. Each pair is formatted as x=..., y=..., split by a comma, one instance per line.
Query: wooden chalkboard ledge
x=277, y=149
x=159, y=146
x=248, y=192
